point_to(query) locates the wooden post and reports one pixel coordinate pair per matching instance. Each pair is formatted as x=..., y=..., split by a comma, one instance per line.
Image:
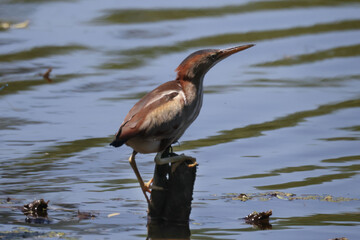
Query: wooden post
x=170, y=206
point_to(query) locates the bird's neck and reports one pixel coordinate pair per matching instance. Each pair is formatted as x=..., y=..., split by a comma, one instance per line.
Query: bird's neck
x=193, y=89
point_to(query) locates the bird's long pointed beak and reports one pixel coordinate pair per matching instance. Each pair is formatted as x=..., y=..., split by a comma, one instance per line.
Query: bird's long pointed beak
x=223, y=53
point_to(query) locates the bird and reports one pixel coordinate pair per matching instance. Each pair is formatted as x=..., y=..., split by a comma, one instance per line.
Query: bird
x=161, y=117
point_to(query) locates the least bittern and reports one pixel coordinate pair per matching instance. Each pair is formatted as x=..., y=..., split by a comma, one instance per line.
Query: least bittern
x=161, y=117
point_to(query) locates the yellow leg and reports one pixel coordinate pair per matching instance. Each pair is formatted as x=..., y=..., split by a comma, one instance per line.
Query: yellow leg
x=144, y=187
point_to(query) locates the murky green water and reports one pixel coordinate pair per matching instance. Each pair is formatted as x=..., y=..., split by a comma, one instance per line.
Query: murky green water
x=281, y=116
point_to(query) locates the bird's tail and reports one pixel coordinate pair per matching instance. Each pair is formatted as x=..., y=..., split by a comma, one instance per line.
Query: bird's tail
x=117, y=142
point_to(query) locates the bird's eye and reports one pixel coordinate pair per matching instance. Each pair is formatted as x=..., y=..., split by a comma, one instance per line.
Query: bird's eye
x=213, y=57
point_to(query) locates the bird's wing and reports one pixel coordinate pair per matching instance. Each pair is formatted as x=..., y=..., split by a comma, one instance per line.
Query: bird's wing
x=157, y=113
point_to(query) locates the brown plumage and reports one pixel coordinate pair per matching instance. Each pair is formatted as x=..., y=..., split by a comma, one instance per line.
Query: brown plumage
x=161, y=117
x=156, y=115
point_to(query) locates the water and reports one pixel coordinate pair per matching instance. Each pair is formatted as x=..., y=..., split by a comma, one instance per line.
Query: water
x=281, y=116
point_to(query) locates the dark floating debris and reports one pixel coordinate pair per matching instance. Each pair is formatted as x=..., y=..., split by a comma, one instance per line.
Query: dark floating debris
x=266, y=196
x=342, y=238
x=46, y=75
x=255, y=216
x=85, y=215
x=242, y=197
x=37, y=206
x=9, y=201
x=259, y=219
x=36, y=212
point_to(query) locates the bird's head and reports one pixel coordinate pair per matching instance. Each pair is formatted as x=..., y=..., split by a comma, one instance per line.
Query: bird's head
x=197, y=64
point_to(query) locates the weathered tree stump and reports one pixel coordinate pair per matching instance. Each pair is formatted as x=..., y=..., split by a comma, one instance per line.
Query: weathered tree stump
x=170, y=206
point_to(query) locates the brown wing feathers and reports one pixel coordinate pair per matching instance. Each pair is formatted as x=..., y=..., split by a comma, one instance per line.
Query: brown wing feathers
x=132, y=124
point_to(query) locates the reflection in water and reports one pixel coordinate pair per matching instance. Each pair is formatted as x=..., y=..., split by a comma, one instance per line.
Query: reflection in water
x=342, y=219
x=40, y=52
x=168, y=231
x=339, y=52
x=256, y=130
x=136, y=57
x=342, y=159
x=128, y=16
x=308, y=181
x=8, y=123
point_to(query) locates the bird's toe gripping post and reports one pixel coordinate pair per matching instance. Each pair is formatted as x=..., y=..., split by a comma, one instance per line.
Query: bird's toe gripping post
x=147, y=186
x=176, y=160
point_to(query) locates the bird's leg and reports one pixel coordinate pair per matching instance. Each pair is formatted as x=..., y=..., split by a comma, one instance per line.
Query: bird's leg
x=144, y=187
x=177, y=160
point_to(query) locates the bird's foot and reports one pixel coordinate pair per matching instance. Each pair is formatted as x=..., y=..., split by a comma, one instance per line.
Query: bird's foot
x=193, y=160
x=175, y=160
x=179, y=158
x=184, y=158
x=147, y=186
